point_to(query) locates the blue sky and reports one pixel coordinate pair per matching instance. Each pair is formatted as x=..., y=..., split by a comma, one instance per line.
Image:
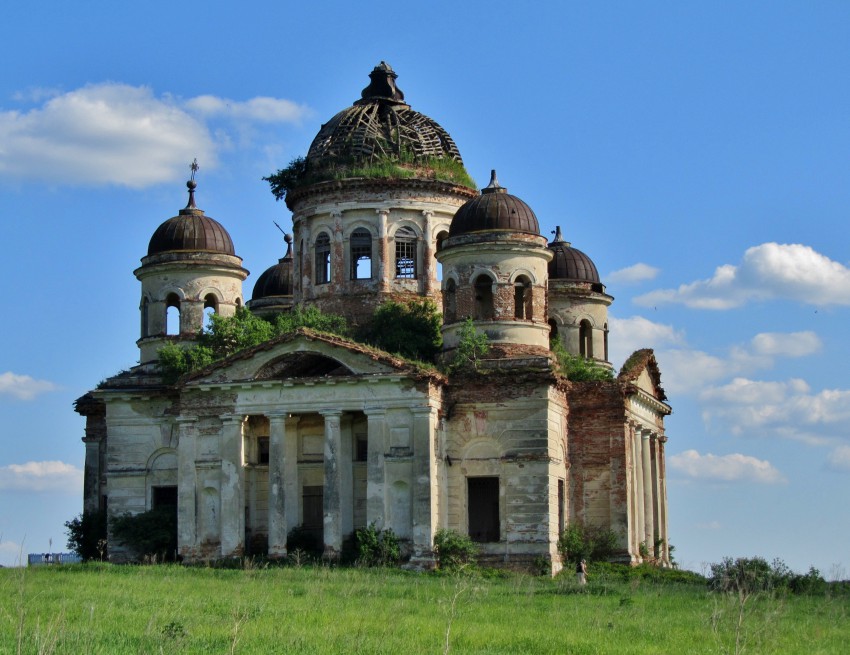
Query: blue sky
x=698, y=152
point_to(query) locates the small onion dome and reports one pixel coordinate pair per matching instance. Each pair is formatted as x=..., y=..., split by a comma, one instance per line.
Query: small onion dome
x=380, y=126
x=570, y=263
x=276, y=280
x=494, y=209
x=191, y=230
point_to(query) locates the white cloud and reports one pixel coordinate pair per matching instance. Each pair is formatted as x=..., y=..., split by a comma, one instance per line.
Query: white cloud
x=12, y=554
x=727, y=468
x=630, y=334
x=793, y=344
x=50, y=476
x=637, y=273
x=768, y=271
x=23, y=387
x=787, y=409
x=261, y=109
x=118, y=134
x=839, y=459
x=685, y=370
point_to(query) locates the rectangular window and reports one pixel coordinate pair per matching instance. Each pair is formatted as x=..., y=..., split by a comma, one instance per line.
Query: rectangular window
x=483, y=506
x=405, y=253
x=262, y=450
x=361, y=447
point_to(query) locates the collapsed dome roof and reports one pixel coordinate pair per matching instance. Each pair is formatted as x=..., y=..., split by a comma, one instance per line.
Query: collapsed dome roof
x=276, y=280
x=380, y=126
x=191, y=230
x=570, y=263
x=494, y=209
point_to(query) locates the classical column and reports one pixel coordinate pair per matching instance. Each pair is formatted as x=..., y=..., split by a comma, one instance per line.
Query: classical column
x=375, y=472
x=304, y=273
x=277, y=490
x=640, y=522
x=649, y=529
x=291, y=490
x=232, y=487
x=346, y=476
x=186, y=487
x=333, y=483
x=662, y=497
x=425, y=499
x=383, y=251
x=428, y=259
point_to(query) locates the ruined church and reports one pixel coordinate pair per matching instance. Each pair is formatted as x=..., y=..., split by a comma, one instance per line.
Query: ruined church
x=328, y=435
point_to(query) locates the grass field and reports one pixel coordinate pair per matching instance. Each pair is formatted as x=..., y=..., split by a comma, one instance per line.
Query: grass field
x=101, y=608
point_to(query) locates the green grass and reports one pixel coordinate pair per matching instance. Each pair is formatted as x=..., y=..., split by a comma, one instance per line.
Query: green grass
x=172, y=609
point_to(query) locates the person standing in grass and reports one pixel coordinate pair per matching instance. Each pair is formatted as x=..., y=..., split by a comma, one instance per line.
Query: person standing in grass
x=581, y=572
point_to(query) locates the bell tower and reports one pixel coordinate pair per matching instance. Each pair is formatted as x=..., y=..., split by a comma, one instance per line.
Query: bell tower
x=191, y=269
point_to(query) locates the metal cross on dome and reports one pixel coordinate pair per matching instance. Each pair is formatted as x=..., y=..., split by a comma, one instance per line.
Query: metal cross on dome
x=194, y=168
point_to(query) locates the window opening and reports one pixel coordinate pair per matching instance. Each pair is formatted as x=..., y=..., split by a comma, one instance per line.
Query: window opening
x=522, y=298
x=164, y=497
x=441, y=237
x=144, y=317
x=361, y=447
x=262, y=450
x=484, y=298
x=483, y=509
x=405, y=253
x=323, y=259
x=210, y=308
x=361, y=254
x=311, y=511
x=605, y=342
x=172, y=316
x=553, y=329
x=585, y=338
x=450, y=302
x=561, y=514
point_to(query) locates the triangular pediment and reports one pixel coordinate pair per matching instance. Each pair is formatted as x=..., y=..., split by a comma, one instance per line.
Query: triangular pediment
x=302, y=355
x=641, y=370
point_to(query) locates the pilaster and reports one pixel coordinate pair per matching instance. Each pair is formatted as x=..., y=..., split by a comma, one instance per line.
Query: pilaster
x=186, y=487
x=232, y=486
x=333, y=484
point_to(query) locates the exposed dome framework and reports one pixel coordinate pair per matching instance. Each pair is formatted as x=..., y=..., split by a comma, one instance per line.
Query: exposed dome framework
x=380, y=126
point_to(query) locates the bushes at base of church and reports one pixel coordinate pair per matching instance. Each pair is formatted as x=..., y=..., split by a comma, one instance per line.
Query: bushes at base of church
x=87, y=535
x=376, y=547
x=454, y=549
x=151, y=534
x=578, y=542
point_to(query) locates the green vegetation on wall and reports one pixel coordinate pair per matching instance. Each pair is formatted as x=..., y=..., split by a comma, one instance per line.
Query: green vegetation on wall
x=577, y=368
x=411, y=329
x=299, y=174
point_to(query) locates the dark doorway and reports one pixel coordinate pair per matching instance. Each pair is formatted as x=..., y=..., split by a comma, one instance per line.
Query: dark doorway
x=313, y=522
x=483, y=509
x=164, y=502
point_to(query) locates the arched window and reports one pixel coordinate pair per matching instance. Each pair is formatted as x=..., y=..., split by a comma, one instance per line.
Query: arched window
x=172, y=314
x=441, y=237
x=323, y=258
x=361, y=254
x=405, y=253
x=484, y=309
x=450, y=302
x=210, y=308
x=522, y=298
x=144, y=312
x=585, y=339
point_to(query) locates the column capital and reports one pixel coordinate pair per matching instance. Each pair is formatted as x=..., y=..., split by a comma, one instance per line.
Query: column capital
x=331, y=413
x=427, y=213
x=231, y=418
x=375, y=411
x=280, y=413
x=335, y=213
x=382, y=210
x=187, y=420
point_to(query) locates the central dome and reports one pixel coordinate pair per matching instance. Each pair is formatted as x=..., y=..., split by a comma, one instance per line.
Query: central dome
x=380, y=127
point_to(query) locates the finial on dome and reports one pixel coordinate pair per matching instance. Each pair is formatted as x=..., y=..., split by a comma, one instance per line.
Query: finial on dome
x=382, y=85
x=192, y=185
x=286, y=237
x=494, y=186
x=559, y=238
